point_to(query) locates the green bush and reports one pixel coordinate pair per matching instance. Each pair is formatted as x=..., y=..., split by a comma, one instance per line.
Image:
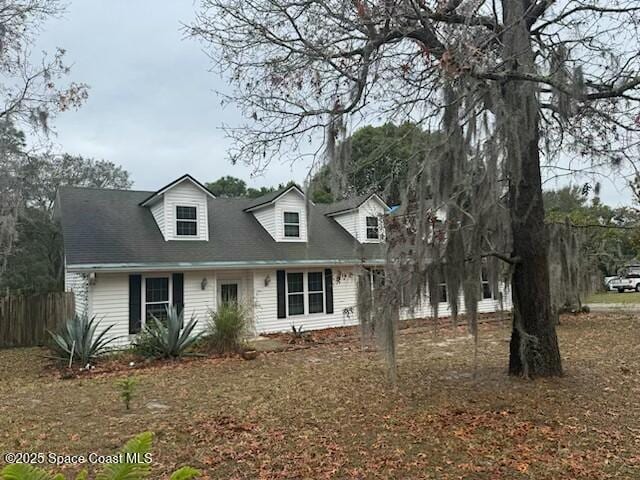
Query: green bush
x=144, y=344
x=227, y=328
x=78, y=339
x=135, y=466
x=168, y=339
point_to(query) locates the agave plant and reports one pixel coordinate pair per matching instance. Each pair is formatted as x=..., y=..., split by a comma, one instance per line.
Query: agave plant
x=170, y=338
x=77, y=340
x=134, y=466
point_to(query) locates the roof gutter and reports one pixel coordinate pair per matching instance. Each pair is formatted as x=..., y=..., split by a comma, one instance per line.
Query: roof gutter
x=151, y=267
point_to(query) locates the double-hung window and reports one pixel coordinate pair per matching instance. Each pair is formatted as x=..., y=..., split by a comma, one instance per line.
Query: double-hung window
x=295, y=293
x=305, y=293
x=186, y=221
x=292, y=224
x=486, y=288
x=442, y=293
x=406, y=294
x=156, y=298
x=372, y=228
x=315, y=285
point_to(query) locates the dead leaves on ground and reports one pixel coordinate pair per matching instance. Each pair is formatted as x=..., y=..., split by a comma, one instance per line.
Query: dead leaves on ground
x=328, y=412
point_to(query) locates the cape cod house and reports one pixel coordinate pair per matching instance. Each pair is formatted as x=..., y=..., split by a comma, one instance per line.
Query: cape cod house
x=129, y=254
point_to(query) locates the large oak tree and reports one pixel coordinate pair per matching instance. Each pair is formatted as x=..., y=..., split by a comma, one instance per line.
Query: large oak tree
x=511, y=83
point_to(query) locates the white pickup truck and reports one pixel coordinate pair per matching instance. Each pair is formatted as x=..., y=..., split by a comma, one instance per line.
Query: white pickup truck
x=629, y=279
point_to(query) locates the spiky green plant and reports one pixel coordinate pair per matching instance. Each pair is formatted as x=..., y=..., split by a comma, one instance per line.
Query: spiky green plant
x=77, y=340
x=168, y=339
x=227, y=328
x=135, y=466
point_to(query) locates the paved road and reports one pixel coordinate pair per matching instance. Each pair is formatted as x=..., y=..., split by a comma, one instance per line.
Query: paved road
x=614, y=307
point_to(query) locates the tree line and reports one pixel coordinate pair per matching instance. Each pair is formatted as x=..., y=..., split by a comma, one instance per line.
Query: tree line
x=378, y=154
x=33, y=260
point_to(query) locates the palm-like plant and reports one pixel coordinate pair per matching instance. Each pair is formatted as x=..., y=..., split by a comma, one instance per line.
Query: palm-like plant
x=133, y=467
x=170, y=338
x=77, y=340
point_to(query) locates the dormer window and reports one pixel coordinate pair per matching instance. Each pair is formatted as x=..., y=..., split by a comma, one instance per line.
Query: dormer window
x=361, y=217
x=372, y=228
x=186, y=221
x=181, y=210
x=292, y=224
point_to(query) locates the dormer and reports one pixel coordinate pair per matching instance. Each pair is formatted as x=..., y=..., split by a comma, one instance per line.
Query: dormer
x=362, y=217
x=180, y=209
x=283, y=214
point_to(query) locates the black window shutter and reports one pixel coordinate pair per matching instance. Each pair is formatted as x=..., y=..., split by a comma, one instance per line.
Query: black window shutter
x=328, y=287
x=282, y=307
x=135, y=303
x=178, y=291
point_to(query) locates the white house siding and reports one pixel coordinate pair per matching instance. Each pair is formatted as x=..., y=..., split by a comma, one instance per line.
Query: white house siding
x=157, y=210
x=267, y=218
x=291, y=202
x=188, y=195
x=197, y=301
x=345, y=304
x=424, y=310
x=109, y=299
x=349, y=221
x=78, y=283
x=266, y=307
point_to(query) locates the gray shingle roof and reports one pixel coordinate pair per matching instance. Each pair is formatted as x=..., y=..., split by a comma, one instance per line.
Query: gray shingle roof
x=110, y=227
x=347, y=204
x=175, y=182
x=267, y=198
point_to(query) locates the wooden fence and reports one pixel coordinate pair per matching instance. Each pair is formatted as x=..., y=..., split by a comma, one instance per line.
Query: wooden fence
x=25, y=319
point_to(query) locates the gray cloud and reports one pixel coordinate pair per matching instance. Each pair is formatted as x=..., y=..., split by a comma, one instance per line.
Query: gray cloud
x=152, y=106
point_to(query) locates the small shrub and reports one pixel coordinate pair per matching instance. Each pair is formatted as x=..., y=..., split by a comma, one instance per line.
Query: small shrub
x=168, y=339
x=227, y=328
x=135, y=466
x=297, y=332
x=144, y=344
x=77, y=340
x=299, y=335
x=127, y=388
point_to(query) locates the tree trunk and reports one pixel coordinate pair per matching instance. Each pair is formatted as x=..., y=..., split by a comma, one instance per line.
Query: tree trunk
x=534, y=348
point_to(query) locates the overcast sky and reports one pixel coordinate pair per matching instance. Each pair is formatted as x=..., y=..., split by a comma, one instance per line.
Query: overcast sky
x=152, y=105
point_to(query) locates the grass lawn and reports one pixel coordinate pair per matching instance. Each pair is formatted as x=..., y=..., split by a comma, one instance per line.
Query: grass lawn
x=614, y=297
x=328, y=412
